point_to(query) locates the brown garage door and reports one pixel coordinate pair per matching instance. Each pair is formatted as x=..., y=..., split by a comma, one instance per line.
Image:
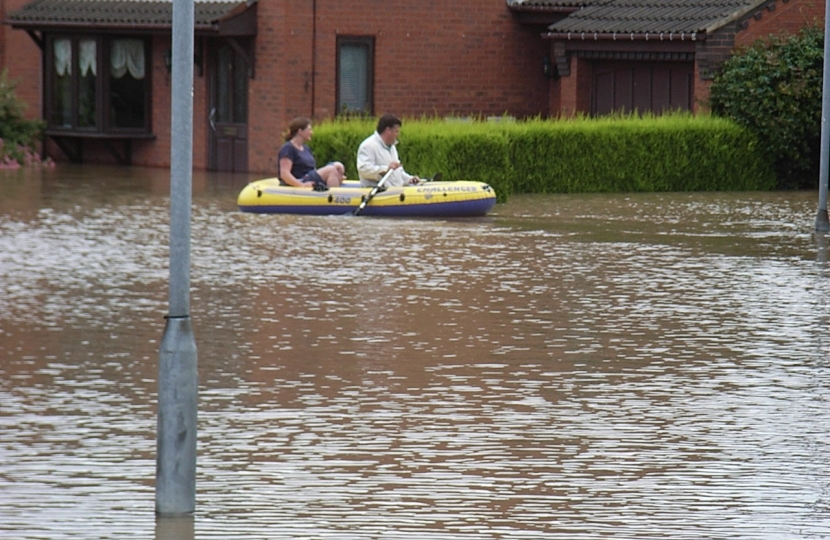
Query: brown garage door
x=641, y=86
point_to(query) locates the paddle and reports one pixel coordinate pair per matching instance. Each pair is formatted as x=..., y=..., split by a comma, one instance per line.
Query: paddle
x=372, y=193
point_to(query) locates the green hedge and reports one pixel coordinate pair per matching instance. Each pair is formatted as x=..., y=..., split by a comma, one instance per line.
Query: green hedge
x=677, y=152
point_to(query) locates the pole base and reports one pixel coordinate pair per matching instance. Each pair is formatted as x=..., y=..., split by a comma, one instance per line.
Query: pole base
x=176, y=438
x=822, y=223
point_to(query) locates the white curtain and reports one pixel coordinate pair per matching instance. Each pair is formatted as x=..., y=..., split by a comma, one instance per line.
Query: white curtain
x=127, y=55
x=86, y=62
x=63, y=57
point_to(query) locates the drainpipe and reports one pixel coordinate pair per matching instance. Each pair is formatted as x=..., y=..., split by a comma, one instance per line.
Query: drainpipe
x=3, y=33
x=314, y=53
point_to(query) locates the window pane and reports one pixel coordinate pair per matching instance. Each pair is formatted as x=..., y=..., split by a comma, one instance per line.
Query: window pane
x=127, y=84
x=87, y=69
x=353, y=78
x=62, y=90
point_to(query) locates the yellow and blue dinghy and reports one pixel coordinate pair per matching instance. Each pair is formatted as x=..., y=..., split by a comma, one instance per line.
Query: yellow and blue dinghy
x=461, y=198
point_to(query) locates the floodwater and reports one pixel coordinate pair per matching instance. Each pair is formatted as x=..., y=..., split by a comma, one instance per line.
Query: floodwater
x=569, y=367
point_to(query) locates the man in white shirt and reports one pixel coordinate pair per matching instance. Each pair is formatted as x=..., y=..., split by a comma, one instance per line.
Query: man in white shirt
x=377, y=155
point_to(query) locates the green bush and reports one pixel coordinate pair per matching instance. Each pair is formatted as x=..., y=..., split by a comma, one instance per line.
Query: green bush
x=17, y=134
x=676, y=152
x=774, y=88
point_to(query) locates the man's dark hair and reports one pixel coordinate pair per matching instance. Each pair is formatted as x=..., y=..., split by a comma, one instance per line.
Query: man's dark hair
x=387, y=121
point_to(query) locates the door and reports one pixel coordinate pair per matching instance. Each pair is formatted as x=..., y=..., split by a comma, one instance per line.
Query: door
x=642, y=86
x=228, y=110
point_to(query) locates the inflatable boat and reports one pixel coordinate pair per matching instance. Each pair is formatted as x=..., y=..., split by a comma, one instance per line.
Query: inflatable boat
x=462, y=198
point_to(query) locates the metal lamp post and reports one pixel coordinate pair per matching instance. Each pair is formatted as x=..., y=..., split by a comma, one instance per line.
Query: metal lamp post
x=178, y=376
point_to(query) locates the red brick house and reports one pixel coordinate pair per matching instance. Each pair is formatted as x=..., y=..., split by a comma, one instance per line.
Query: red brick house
x=650, y=55
x=98, y=70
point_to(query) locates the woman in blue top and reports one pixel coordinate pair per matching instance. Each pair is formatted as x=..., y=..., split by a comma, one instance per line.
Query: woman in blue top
x=296, y=163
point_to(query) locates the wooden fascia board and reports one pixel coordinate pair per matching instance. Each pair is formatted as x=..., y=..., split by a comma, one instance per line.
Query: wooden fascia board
x=119, y=28
x=627, y=46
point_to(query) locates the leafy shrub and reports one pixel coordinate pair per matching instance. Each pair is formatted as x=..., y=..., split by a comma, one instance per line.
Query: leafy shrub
x=774, y=88
x=18, y=135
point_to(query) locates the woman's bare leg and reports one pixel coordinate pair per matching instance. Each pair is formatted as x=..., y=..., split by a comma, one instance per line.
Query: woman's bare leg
x=332, y=174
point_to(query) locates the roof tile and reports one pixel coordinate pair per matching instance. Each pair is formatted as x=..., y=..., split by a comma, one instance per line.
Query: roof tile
x=653, y=16
x=139, y=12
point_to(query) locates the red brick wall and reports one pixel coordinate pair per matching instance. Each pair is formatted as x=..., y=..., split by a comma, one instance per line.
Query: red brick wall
x=445, y=58
x=709, y=55
x=701, y=90
x=788, y=17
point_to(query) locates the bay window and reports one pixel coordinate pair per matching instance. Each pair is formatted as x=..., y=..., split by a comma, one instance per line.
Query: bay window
x=97, y=84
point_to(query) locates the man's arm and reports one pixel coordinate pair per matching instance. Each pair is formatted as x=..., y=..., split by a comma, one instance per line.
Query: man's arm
x=369, y=166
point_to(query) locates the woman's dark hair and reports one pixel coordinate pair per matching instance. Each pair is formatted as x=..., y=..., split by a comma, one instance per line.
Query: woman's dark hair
x=296, y=125
x=387, y=121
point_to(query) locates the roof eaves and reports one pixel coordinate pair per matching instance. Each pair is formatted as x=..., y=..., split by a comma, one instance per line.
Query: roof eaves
x=626, y=36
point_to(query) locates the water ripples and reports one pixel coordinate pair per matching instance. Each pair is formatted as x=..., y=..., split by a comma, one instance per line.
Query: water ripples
x=574, y=367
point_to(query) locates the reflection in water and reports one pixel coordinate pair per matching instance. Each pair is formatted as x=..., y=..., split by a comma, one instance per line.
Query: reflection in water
x=174, y=527
x=628, y=366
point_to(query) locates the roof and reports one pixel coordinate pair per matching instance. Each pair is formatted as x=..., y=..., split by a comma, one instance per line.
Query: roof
x=676, y=17
x=120, y=14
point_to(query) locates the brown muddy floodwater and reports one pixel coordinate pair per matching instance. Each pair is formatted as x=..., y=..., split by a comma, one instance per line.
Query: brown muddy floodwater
x=570, y=367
